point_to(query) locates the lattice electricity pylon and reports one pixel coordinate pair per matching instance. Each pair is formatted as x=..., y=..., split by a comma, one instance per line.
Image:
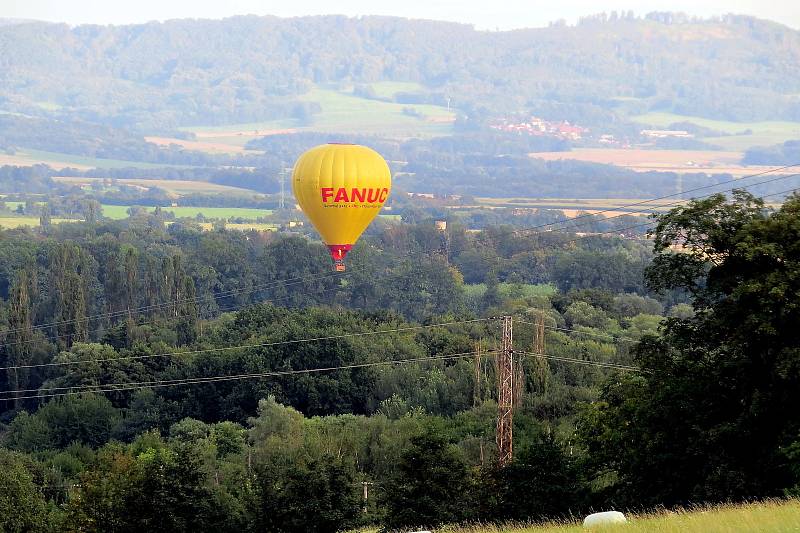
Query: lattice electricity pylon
x=505, y=395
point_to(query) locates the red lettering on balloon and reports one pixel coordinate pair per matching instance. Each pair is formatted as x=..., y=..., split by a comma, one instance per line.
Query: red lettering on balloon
x=353, y=195
x=341, y=195
x=358, y=195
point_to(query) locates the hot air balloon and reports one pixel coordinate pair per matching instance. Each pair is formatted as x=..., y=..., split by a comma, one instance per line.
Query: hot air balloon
x=341, y=188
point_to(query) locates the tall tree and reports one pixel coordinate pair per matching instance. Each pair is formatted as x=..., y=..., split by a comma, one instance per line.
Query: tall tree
x=709, y=417
x=20, y=332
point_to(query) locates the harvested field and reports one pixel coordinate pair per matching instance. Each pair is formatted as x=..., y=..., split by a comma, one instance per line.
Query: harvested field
x=176, y=187
x=207, y=146
x=642, y=160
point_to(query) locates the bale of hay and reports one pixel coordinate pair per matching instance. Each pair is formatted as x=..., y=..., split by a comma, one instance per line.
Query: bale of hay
x=604, y=519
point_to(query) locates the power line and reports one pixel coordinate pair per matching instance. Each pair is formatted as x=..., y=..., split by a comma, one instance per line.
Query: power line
x=215, y=296
x=591, y=334
x=56, y=336
x=300, y=279
x=643, y=202
x=115, y=387
x=246, y=346
x=608, y=232
x=678, y=202
x=652, y=222
x=601, y=364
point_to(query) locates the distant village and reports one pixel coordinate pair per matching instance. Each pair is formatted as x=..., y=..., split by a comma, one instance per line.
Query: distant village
x=538, y=126
x=564, y=130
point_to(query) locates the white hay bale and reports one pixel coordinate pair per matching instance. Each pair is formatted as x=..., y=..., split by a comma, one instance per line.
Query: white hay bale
x=604, y=519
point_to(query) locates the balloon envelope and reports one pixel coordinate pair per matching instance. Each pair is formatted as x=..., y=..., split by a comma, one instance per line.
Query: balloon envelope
x=341, y=188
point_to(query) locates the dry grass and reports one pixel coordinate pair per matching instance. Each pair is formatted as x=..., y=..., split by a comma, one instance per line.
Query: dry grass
x=177, y=187
x=764, y=517
x=208, y=147
x=33, y=222
x=642, y=160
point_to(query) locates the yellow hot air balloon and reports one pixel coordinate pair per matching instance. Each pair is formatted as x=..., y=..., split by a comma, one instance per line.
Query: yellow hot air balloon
x=341, y=188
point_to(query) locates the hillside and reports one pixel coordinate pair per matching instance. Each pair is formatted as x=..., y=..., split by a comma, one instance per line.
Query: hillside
x=249, y=69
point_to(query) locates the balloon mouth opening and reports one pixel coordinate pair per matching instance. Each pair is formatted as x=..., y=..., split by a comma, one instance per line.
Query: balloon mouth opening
x=338, y=253
x=342, y=144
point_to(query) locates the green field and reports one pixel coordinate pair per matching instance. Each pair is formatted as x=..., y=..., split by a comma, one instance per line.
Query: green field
x=342, y=112
x=177, y=187
x=33, y=222
x=768, y=517
x=387, y=89
x=511, y=290
x=118, y=212
x=25, y=156
x=760, y=133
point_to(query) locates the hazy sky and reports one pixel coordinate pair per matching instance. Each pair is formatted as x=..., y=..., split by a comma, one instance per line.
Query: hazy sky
x=484, y=14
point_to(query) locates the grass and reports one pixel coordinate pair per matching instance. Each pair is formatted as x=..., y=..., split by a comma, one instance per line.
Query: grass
x=118, y=212
x=762, y=133
x=764, y=517
x=508, y=290
x=177, y=187
x=387, y=89
x=342, y=112
x=26, y=156
x=33, y=222
x=247, y=226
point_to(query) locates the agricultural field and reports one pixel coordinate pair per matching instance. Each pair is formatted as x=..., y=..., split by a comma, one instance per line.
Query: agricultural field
x=175, y=187
x=118, y=212
x=572, y=206
x=387, y=89
x=33, y=222
x=643, y=160
x=767, y=517
x=208, y=147
x=59, y=161
x=343, y=112
x=741, y=135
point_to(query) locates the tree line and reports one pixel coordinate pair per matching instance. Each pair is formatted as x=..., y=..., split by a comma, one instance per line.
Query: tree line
x=703, y=419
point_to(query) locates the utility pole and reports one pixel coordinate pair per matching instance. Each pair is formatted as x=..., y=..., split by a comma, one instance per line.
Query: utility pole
x=366, y=484
x=505, y=394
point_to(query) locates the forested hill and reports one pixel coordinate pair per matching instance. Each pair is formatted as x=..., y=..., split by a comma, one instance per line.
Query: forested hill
x=185, y=72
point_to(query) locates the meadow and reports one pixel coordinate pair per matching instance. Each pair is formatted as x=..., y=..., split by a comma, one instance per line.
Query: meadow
x=741, y=135
x=175, y=187
x=766, y=517
x=60, y=161
x=33, y=222
x=118, y=212
x=344, y=112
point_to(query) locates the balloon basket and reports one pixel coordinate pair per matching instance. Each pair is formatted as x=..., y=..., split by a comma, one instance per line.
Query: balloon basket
x=338, y=266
